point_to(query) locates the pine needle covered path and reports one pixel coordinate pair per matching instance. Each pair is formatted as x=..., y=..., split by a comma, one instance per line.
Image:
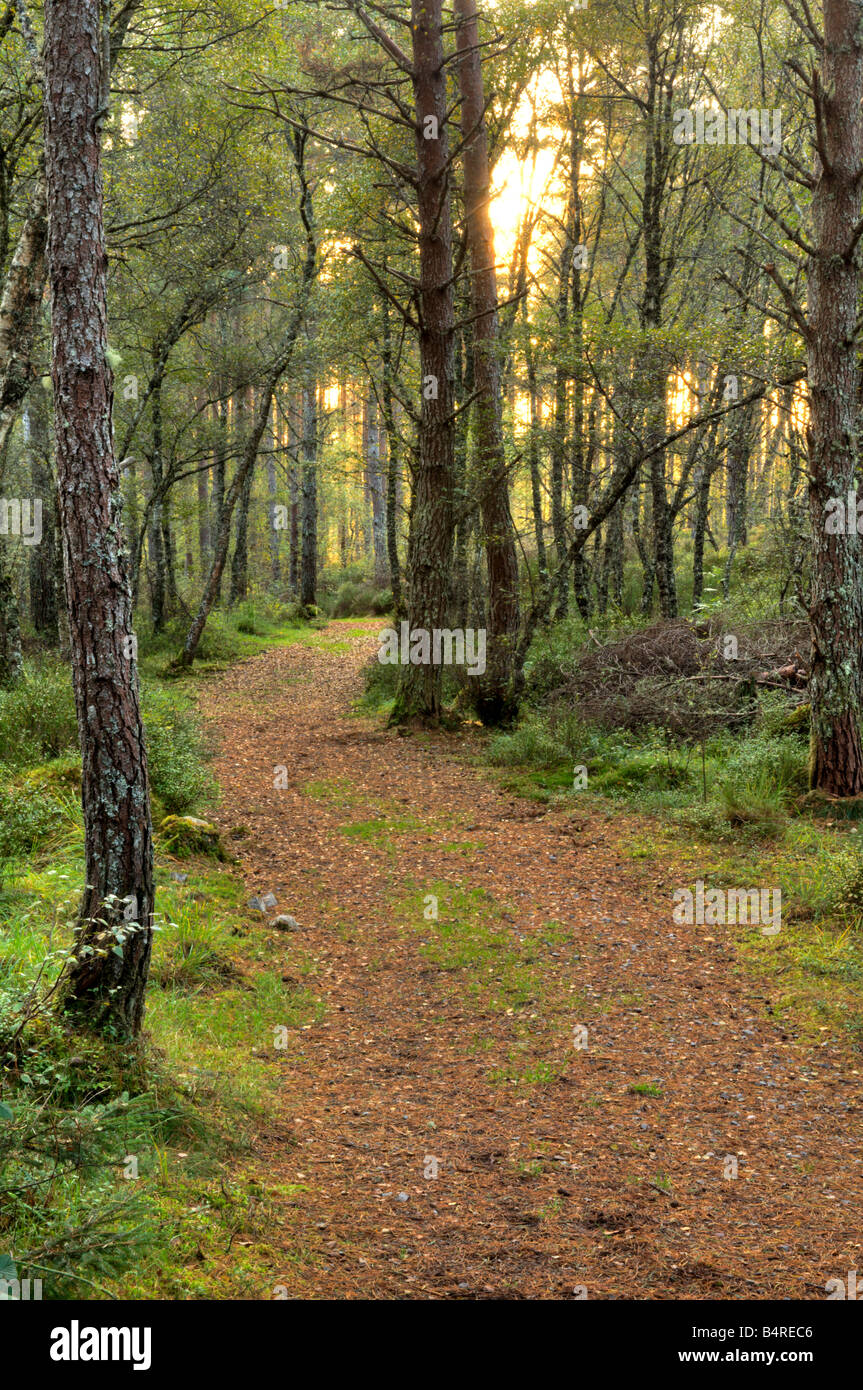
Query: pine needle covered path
x=444, y=1130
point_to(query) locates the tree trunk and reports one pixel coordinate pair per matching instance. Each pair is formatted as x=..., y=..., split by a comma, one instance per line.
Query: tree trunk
x=24, y=285
x=740, y=434
x=223, y=534
x=295, y=534
x=309, y=522
x=240, y=558
x=534, y=462
x=431, y=535
x=701, y=479
x=376, y=486
x=170, y=552
x=496, y=692
x=105, y=981
x=272, y=492
x=393, y=464
x=219, y=475
x=43, y=559
x=156, y=538
x=11, y=660
x=19, y=310
x=558, y=438
x=836, y=607
x=203, y=518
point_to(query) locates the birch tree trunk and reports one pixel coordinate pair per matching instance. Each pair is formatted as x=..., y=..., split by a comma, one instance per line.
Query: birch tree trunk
x=309, y=508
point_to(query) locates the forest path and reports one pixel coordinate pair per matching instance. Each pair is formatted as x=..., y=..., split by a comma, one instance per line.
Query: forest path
x=448, y=1046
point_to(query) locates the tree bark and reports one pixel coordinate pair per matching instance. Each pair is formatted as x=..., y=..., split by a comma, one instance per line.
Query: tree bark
x=240, y=558
x=558, y=438
x=19, y=309
x=156, y=538
x=836, y=607
x=393, y=464
x=533, y=456
x=376, y=487
x=309, y=490
x=105, y=981
x=431, y=533
x=43, y=563
x=496, y=693
x=272, y=493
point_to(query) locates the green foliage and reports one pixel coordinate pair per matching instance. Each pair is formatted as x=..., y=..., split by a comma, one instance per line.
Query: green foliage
x=37, y=716
x=357, y=600
x=176, y=750
x=51, y=1154
x=380, y=686
x=764, y=768
x=195, y=951
x=40, y=806
x=30, y=818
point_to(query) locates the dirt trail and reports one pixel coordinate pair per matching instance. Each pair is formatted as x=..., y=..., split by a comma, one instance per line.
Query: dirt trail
x=452, y=1048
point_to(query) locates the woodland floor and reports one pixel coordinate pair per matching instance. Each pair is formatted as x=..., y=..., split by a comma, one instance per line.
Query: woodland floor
x=454, y=1040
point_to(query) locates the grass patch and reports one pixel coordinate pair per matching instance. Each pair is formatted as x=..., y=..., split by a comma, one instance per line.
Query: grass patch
x=115, y=1164
x=131, y=1170
x=736, y=819
x=475, y=938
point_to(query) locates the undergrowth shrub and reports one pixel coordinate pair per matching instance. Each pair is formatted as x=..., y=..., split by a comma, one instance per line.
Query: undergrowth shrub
x=177, y=753
x=37, y=716
x=28, y=822
x=357, y=600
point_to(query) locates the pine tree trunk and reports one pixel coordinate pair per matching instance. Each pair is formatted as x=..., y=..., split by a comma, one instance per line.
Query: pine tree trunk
x=219, y=476
x=295, y=534
x=836, y=607
x=701, y=479
x=203, y=518
x=105, y=982
x=740, y=435
x=19, y=310
x=431, y=533
x=496, y=690
x=11, y=660
x=558, y=438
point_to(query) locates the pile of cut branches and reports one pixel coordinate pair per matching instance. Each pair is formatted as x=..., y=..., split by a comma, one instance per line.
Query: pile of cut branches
x=688, y=678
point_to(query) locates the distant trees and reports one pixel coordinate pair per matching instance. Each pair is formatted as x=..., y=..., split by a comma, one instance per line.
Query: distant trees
x=573, y=433
x=282, y=354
